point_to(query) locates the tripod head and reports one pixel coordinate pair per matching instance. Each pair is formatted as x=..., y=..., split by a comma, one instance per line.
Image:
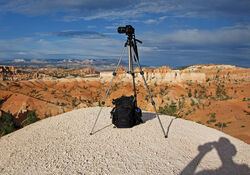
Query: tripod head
x=130, y=31
x=131, y=40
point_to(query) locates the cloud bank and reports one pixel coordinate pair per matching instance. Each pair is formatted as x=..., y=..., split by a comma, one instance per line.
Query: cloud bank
x=113, y=9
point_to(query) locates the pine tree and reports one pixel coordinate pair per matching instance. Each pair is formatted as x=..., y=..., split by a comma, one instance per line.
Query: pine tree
x=31, y=118
x=7, y=124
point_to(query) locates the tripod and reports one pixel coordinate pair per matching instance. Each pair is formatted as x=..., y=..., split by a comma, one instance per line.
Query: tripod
x=132, y=50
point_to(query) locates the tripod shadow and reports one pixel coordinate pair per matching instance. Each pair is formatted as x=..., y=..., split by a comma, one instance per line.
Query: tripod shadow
x=149, y=116
x=167, y=131
x=101, y=129
x=226, y=150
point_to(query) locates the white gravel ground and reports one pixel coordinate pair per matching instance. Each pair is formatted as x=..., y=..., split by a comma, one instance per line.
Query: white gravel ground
x=62, y=145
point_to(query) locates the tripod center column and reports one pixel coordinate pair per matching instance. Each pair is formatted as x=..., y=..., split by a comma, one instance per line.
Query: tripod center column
x=130, y=60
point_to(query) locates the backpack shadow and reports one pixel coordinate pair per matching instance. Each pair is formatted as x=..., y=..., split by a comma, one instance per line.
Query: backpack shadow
x=147, y=116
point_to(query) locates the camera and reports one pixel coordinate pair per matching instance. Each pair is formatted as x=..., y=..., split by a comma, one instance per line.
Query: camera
x=128, y=30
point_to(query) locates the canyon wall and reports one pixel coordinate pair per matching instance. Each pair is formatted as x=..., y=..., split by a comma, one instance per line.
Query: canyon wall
x=160, y=75
x=197, y=73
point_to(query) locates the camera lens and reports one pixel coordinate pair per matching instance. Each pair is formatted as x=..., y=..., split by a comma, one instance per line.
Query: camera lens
x=121, y=29
x=128, y=30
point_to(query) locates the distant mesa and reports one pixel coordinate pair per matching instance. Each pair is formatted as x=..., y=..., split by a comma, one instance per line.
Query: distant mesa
x=210, y=66
x=37, y=61
x=64, y=62
x=18, y=60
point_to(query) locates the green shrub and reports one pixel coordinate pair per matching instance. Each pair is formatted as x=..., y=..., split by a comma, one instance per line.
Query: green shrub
x=114, y=88
x=212, y=120
x=31, y=118
x=34, y=91
x=1, y=102
x=162, y=91
x=189, y=93
x=221, y=93
x=66, y=95
x=195, y=92
x=188, y=112
x=221, y=125
x=74, y=102
x=181, y=104
x=169, y=109
x=212, y=115
x=192, y=103
x=6, y=124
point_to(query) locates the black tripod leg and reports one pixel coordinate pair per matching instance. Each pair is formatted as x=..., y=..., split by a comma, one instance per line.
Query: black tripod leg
x=152, y=101
x=107, y=92
x=134, y=88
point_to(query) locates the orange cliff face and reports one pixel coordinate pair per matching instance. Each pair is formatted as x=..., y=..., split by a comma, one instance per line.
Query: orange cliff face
x=19, y=105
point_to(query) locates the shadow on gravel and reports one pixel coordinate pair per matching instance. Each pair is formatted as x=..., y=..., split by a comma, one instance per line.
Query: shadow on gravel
x=149, y=116
x=167, y=131
x=226, y=150
x=101, y=129
x=145, y=117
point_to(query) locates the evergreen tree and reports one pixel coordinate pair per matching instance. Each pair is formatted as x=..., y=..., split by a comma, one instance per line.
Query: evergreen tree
x=6, y=123
x=31, y=118
x=189, y=93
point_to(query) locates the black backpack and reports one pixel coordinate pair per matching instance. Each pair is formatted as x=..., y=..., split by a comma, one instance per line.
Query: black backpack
x=125, y=114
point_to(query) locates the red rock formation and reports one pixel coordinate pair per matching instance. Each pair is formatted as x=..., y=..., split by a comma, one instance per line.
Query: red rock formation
x=162, y=69
x=88, y=70
x=7, y=72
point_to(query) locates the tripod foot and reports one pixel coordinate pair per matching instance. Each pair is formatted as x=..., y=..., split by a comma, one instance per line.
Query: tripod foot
x=166, y=136
x=91, y=133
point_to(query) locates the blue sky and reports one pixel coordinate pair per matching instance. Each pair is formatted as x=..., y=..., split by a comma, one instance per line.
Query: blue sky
x=174, y=32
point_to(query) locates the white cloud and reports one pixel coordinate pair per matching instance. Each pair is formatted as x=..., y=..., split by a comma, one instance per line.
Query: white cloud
x=228, y=45
x=150, y=21
x=223, y=37
x=162, y=18
x=67, y=47
x=155, y=21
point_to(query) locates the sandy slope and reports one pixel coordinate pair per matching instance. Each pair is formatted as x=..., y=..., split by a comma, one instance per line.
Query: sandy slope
x=62, y=145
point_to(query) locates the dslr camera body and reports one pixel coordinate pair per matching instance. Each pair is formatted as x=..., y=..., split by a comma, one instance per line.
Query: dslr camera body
x=128, y=30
